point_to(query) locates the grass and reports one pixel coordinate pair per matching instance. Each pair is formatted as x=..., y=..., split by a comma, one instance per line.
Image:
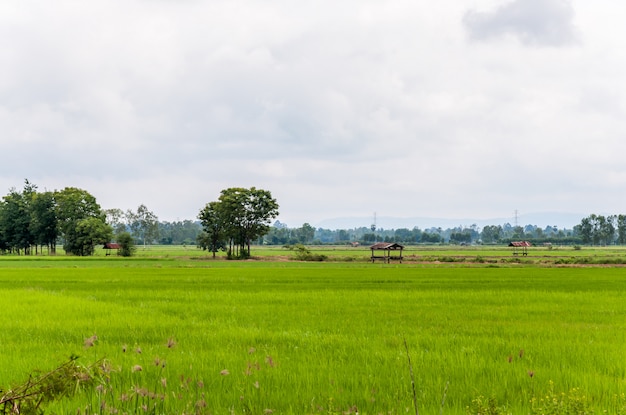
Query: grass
x=309, y=338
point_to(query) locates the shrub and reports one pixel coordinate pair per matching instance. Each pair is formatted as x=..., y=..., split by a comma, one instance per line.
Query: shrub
x=127, y=244
x=574, y=402
x=485, y=406
x=302, y=253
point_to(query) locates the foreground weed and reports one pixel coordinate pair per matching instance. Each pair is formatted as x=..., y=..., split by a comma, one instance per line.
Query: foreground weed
x=408, y=356
x=43, y=388
x=573, y=402
x=561, y=403
x=486, y=406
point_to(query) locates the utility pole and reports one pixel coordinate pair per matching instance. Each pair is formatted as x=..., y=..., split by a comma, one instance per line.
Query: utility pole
x=373, y=228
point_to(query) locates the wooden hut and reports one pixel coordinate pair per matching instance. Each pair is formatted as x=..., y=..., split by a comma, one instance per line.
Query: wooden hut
x=109, y=246
x=382, y=251
x=520, y=246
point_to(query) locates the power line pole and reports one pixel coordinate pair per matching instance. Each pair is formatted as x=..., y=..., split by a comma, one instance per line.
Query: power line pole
x=373, y=228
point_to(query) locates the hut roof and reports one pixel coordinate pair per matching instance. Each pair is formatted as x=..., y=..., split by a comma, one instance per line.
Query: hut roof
x=519, y=244
x=386, y=245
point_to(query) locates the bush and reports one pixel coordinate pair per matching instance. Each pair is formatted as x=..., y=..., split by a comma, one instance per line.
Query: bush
x=574, y=402
x=302, y=253
x=127, y=244
x=485, y=406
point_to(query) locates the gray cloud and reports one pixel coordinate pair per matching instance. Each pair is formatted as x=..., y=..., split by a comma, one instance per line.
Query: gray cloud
x=533, y=22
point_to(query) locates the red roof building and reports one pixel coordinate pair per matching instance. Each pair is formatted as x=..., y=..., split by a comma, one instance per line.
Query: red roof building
x=522, y=245
x=109, y=246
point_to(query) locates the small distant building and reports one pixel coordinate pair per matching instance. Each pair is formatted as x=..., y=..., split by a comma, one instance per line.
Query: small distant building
x=520, y=246
x=382, y=251
x=109, y=246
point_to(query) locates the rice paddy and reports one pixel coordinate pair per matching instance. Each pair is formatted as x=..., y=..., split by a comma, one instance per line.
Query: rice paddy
x=185, y=334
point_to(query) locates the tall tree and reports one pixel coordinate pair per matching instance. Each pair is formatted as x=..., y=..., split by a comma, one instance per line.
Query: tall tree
x=115, y=218
x=144, y=224
x=306, y=233
x=491, y=234
x=214, y=229
x=585, y=230
x=44, y=223
x=15, y=223
x=597, y=229
x=16, y=218
x=621, y=229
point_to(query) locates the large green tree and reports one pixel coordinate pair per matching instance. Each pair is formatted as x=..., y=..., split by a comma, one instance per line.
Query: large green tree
x=81, y=221
x=43, y=222
x=597, y=229
x=15, y=222
x=249, y=213
x=15, y=219
x=243, y=215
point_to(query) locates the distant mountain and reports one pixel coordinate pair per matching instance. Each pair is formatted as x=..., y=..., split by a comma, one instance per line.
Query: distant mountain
x=541, y=219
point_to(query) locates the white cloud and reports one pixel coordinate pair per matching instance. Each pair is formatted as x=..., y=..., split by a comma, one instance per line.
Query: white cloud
x=337, y=108
x=533, y=22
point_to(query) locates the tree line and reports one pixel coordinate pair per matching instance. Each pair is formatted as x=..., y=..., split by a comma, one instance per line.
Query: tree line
x=281, y=234
x=602, y=230
x=31, y=221
x=593, y=230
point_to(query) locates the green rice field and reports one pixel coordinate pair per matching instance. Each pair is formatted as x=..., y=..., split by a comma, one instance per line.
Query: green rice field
x=449, y=331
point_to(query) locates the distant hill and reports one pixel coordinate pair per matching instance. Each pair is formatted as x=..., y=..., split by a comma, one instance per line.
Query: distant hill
x=541, y=219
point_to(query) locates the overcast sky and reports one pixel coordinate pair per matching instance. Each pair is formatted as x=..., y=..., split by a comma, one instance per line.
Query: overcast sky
x=448, y=108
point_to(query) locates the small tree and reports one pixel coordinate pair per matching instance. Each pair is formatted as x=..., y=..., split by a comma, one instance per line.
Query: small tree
x=127, y=244
x=213, y=236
